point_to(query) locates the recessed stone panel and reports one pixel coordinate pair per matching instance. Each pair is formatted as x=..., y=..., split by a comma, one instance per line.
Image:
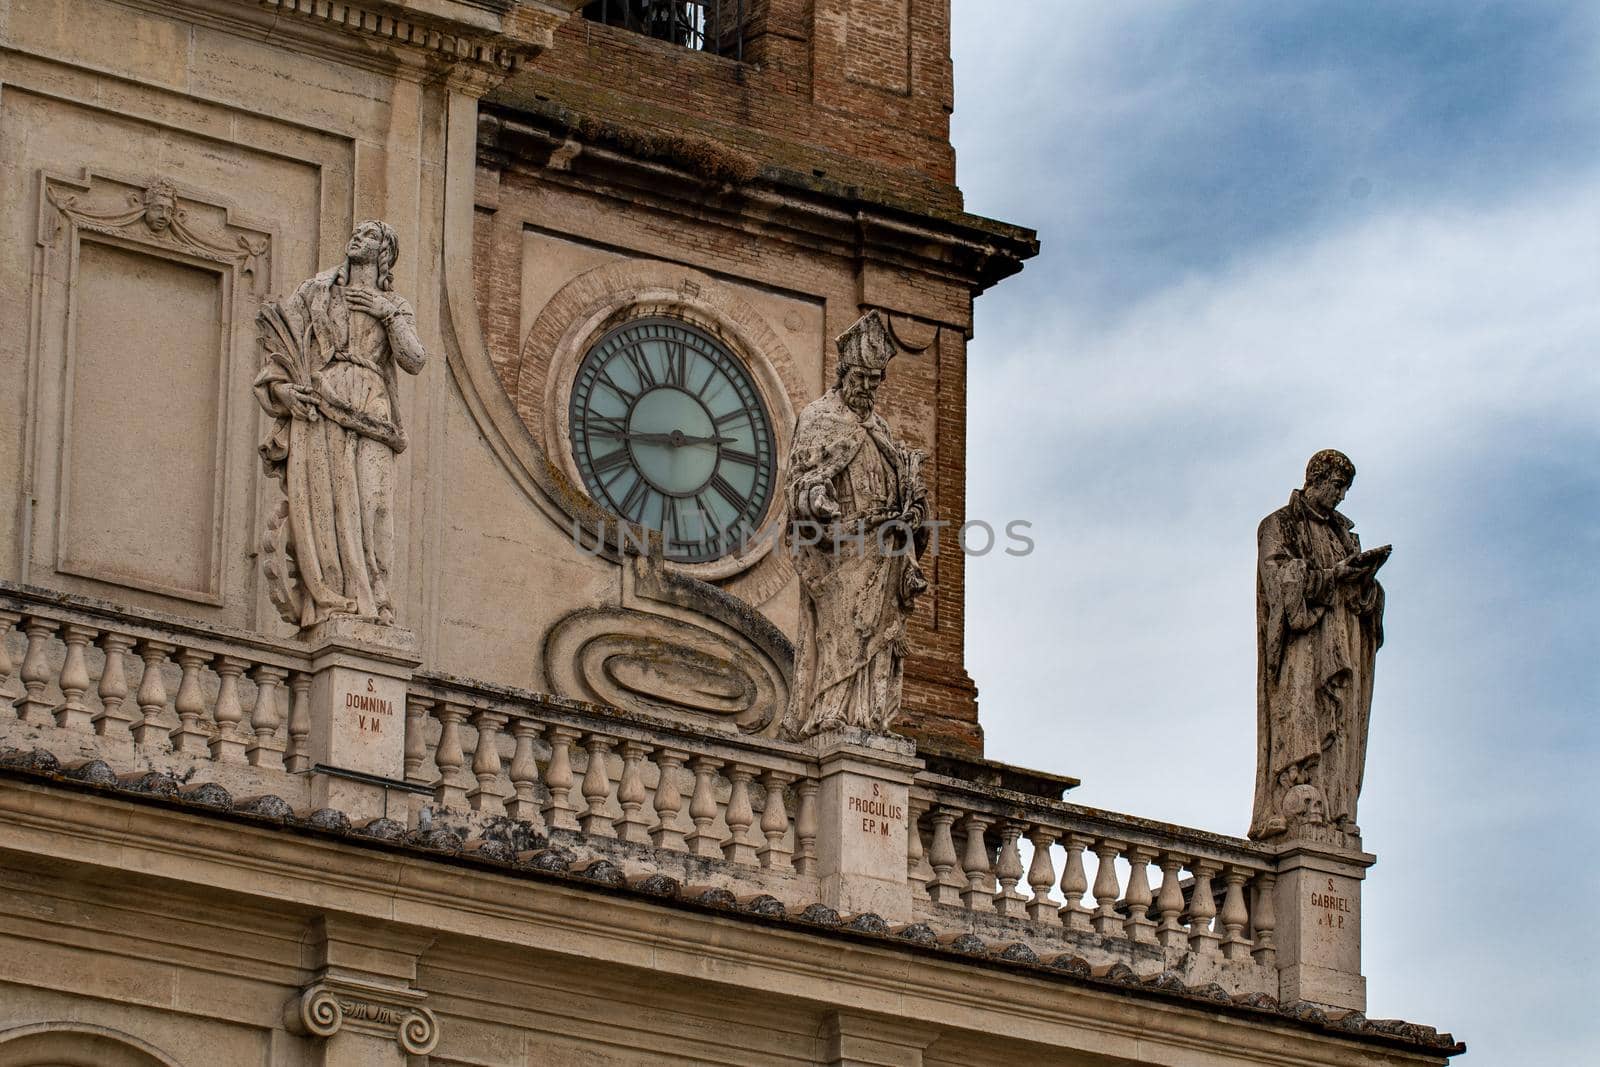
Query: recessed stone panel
x=145, y=378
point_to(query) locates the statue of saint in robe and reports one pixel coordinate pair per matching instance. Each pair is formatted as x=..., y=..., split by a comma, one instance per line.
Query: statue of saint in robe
x=857, y=513
x=1319, y=623
x=329, y=378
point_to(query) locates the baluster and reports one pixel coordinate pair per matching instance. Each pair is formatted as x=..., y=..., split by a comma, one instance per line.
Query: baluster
x=32, y=707
x=266, y=716
x=597, y=788
x=1009, y=902
x=524, y=804
x=1106, y=890
x=703, y=839
x=226, y=745
x=560, y=813
x=1169, y=902
x=72, y=713
x=448, y=792
x=774, y=821
x=949, y=880
x=631, y=795
x=415, y=750
x=738, y=848
x=669, y=800
x=1138, y=926
x=486, y=795
x=1074, y=884
x=975, y=861
x=1041, y=873
x=113, y=690
x=919, y=872
x=1235, y=916
x=152, y=727
x=8, y=619
x=297, y=757
x=189, y=738
x=805, y=827
x=1202, y=909
x=1264, y=917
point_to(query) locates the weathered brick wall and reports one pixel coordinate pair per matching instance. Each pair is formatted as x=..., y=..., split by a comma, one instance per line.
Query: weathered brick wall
x=862, y=87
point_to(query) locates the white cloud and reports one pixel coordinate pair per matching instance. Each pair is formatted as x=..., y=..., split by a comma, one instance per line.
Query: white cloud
x=1453, y=354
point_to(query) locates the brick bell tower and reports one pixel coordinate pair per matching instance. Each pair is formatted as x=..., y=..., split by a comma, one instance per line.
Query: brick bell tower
x=763, y=171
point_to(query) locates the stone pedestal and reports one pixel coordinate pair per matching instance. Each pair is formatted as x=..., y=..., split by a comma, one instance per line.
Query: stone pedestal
x=1319, y=925
x=862, y=819
x=360, y=672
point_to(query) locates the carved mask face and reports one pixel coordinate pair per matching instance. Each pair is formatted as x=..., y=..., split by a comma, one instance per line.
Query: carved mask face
x=365, y=244
x=158, y=211
x=860, y=387
x=1326, y=492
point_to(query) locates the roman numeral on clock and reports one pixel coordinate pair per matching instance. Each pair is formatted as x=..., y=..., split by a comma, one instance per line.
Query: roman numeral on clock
x=729, y=493
x=641, y=367
x=677, y=364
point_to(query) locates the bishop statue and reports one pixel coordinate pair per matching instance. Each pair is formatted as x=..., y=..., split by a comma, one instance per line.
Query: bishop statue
x=858, y=523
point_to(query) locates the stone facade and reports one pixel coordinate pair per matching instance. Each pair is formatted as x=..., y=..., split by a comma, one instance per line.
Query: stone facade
x=533, y=805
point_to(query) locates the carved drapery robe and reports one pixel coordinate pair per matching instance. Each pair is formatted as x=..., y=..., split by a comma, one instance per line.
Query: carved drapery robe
x=337, y=469
x=857, y=588
x=1317, y=640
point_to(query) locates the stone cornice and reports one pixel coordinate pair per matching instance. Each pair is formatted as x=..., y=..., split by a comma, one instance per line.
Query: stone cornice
x=495, y=35
x=251, y=862
x=847, y=220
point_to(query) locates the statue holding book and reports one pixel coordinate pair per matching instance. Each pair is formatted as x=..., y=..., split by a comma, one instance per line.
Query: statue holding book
x=1319, y=622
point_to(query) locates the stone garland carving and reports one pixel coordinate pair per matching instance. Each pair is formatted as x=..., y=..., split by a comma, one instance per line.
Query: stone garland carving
x=1319, y=620
x=857, y=511
x=165, y=221
x=331, y=354
x=322, y=1010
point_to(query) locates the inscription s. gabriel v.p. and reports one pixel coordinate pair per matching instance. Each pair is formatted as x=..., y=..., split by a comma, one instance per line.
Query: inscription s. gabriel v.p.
x=1334, y=906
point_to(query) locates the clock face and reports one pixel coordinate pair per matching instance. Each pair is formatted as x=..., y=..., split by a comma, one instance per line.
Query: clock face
x=669, y=431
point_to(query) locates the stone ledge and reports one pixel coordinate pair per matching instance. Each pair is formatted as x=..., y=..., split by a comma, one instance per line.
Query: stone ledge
x=41, y=774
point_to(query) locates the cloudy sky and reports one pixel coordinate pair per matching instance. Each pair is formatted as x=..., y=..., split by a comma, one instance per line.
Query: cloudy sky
x=1271, y=228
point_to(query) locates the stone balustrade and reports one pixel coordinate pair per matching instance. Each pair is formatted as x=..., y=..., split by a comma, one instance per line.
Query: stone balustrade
x=1110, y=887
x=145, y=692
x=580, y=771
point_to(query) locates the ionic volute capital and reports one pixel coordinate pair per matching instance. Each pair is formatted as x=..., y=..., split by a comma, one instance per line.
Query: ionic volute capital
x=325, y=1008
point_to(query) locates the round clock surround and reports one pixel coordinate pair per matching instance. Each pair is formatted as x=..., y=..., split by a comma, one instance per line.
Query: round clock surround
x=669, y=428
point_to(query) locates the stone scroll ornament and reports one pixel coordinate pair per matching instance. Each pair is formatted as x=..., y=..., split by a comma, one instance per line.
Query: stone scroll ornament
x=857, y=525
x=1319, y=620
x=331, y=354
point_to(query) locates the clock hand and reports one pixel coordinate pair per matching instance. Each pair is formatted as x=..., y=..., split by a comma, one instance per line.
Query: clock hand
x=674, y=439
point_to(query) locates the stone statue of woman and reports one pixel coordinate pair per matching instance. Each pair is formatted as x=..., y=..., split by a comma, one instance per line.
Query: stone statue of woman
x=329, y=377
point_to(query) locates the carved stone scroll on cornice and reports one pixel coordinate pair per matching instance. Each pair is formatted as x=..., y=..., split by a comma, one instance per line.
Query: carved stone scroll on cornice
x=676, y=646
x=324, y=1008
x=478, y=42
